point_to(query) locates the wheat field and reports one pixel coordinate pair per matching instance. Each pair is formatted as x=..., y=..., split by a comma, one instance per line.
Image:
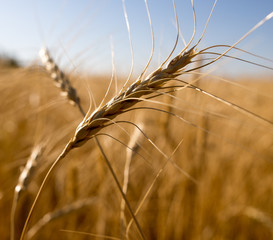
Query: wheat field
x=194, y=163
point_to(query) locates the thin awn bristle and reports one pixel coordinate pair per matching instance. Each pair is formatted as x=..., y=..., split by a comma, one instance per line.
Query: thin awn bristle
x=131, y=45
x=176, y=40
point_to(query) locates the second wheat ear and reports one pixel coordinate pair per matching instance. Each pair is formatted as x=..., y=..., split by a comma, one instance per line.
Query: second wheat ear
x=60, y=79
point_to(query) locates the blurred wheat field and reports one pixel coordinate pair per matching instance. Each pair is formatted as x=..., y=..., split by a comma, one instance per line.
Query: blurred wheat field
x=204, y=171
x=231, y=164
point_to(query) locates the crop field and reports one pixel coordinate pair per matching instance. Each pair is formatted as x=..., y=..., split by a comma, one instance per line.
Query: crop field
x=178, y=152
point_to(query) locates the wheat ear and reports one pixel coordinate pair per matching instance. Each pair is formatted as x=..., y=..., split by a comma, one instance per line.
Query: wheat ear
x=91, y=125
x=23, y=182
x=60, y=79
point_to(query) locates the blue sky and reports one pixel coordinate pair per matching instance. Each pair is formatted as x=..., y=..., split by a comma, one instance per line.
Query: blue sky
x=78, y=33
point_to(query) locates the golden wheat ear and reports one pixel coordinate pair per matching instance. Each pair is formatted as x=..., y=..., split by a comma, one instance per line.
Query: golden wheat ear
x=60, y=79
x=23, y=182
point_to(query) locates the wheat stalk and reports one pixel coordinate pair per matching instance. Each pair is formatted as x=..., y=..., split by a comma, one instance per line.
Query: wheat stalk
x=133, y=147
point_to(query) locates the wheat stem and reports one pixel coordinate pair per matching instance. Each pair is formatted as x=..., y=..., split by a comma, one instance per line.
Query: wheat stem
x=129, y=156
x=48, y=174
x=120, y=189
